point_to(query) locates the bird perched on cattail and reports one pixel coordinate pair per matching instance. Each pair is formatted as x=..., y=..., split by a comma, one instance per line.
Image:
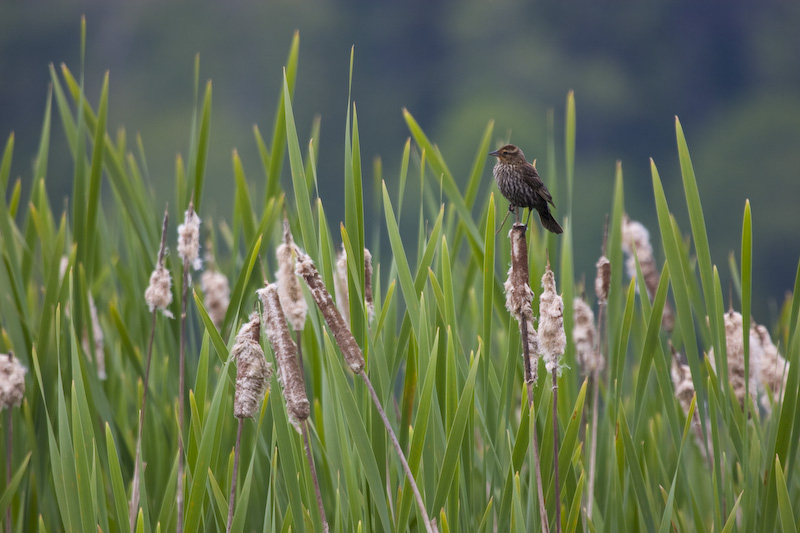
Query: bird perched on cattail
x=519, y=182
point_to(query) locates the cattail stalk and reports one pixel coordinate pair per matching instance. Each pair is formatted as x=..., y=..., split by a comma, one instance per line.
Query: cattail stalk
x=157, y=289
x=602, y=284
x=12, y=391
x=294, y=389
x=519, y=298
x=355, y=360
x=553, y=342
x=189, y=251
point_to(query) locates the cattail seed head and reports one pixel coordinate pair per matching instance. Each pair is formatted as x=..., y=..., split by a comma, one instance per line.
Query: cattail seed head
x=12, y=381
x=552, y=338
x=291, y=375
x=289, y=291
x=519, y=298
x=734, y=344
x=189, y=238
x=368, y=285
x=159, y=294
x=341, y=333
x=603, y=280
x=217, y=294
x=340, y=285
x=773, y=368
x=253, y=371
x=584, y=336
x=636, y=245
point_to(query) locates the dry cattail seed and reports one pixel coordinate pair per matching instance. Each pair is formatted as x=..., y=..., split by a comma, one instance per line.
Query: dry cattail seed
x=12, y=381
x=552, y=338
x=340, y=285
x=734, y=344
x=159, y=294
x=584, y=335
x=368, y=285
x=636, y=244
x=189, y=238
x=253, y=371
x=217, y=294
x=773, y=368
x=603, y=280
x=289, y=291
x=289, y=371
x=519, y=298
x=341, y=333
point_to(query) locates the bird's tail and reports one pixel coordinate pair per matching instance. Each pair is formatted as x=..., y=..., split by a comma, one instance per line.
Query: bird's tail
x=548, y=222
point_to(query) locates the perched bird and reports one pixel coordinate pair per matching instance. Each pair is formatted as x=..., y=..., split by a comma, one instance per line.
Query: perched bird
x=521, y=185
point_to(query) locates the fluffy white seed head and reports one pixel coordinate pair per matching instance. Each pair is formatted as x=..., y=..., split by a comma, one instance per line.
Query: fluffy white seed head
x=584, y=335
x=189, y=239
x=552, y=338
x=12, y=381
x=217, y=295
x=159, y=294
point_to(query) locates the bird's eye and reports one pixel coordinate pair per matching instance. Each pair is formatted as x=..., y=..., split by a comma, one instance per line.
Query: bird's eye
x=505, y=152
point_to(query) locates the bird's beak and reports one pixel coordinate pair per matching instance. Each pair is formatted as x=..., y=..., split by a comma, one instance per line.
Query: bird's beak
x=495, y=153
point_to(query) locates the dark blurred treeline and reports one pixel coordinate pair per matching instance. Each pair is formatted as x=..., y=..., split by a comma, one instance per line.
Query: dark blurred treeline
x=728, y=69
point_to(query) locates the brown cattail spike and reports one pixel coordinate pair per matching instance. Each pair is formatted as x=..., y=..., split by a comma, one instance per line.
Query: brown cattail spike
x=291, y=376
x=552, y=338
x=519, y=298
x=12, y=381
x=289, y=291
x=344, y=338
x=253, y=371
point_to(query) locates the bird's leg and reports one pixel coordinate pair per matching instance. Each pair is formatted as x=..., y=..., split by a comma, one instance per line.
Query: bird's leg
x=530, y=209
x=510, y=209
x=516, y=212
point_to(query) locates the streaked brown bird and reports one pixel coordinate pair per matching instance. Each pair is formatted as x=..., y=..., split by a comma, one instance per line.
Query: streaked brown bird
x=519, y=182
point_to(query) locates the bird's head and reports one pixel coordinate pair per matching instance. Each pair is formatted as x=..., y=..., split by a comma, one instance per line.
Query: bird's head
x=510, y=155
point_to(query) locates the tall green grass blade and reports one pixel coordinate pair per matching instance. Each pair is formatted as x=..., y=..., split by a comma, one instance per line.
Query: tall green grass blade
x=5, y=163
x=301, y=196
x=12, y=485
x=359, y=434
x=403, y=271
x=279, y=131
x=637, y=479
x=455, y=437
x=788, y=521
x=95, y=176
x=117, y=485
x=569, y=149
x=202, y=150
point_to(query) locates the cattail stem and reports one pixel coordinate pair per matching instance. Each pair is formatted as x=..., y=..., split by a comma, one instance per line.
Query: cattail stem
x=399, y=450
x=9, y=458
x=529, y=381
x=181, y=385
x=314, y=477
x=593, y=445
x=556, y=486
x=136, y=470
x=232, y=499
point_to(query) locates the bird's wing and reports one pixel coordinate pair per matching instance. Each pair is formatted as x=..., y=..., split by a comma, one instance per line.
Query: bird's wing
x=532, y=177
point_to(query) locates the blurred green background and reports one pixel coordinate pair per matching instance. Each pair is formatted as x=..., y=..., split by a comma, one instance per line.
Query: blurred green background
x=728, y=69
